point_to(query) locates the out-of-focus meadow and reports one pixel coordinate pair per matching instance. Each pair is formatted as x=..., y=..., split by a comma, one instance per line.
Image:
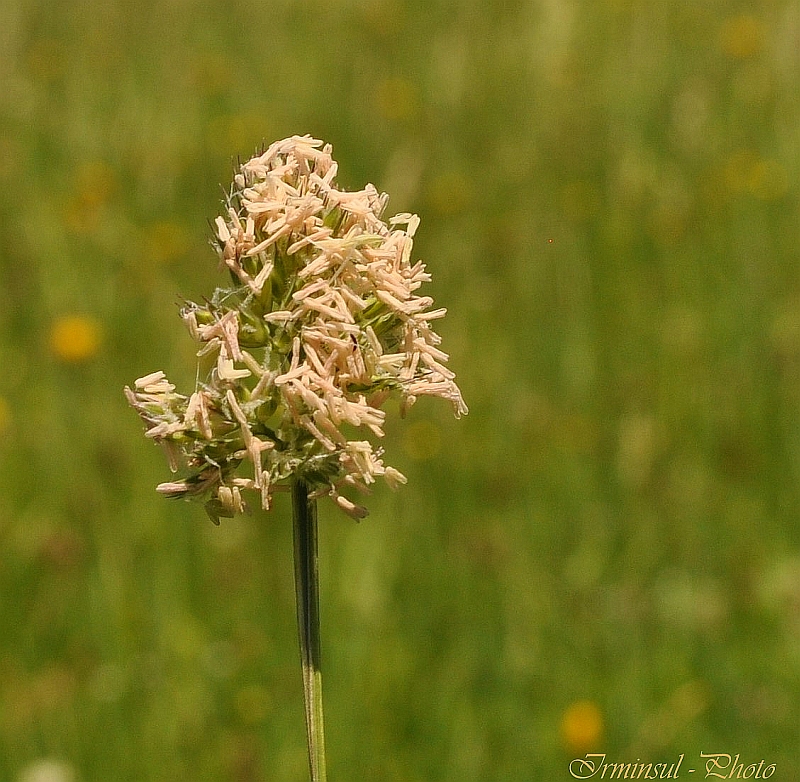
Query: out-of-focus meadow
x=604, y=556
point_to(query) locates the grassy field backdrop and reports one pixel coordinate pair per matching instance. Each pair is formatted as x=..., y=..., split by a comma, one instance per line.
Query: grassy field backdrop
x=603, y=556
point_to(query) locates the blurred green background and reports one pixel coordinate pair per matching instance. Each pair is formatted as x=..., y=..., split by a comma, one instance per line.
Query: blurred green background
x=603, y=556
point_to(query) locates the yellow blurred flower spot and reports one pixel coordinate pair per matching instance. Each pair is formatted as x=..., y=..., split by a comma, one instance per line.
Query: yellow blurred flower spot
x=581, y=727
x=738, y=168
x=95, y=182
x=746, y=172
x=422, y=440
x=768, y=180
x=75, y=338
x=93, y=186
x=742, y=36
x=166, y=241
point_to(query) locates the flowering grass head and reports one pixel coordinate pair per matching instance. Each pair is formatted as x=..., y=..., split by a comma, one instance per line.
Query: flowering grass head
x=319, y=325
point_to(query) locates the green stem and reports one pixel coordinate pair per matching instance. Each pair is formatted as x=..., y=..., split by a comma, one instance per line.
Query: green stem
x=306, y=580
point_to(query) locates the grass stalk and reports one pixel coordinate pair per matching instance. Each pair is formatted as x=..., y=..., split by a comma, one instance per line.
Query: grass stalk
x=306, y=579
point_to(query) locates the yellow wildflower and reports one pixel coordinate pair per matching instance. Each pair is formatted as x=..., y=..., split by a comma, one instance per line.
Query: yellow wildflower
x=742, y=36
x=581, y=727
x=75, y=339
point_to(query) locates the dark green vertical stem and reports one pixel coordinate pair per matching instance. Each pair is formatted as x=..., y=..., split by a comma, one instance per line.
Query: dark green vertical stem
x=306, y=580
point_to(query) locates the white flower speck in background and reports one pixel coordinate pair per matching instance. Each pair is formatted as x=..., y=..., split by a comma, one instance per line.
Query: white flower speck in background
x=47, y=770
